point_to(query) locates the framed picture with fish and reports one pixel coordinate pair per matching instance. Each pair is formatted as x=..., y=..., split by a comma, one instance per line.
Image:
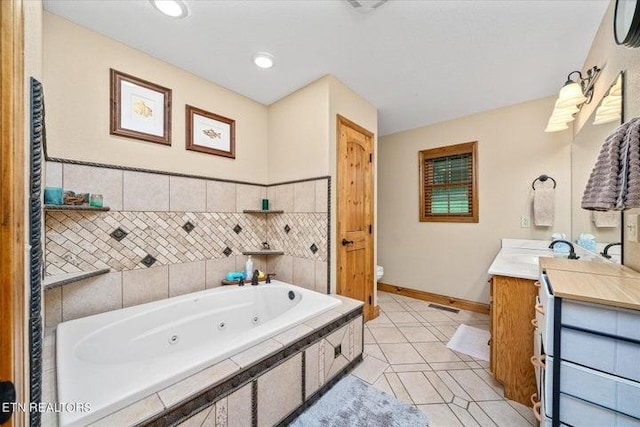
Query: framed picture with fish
x=210, y=133
x=140, y=109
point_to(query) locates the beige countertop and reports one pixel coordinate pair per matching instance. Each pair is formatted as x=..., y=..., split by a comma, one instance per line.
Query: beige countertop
x=519, y=258
x=601, y=283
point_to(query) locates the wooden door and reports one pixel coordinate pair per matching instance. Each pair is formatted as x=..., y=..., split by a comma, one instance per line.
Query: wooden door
x=12, y=203
x=355, y=214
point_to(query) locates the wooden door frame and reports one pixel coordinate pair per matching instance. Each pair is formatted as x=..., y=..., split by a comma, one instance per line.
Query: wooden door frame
x=12, y=204
x=373, y=311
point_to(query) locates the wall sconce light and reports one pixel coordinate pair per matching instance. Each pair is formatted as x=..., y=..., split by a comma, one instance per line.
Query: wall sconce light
x=576, y=92
x=610, y=108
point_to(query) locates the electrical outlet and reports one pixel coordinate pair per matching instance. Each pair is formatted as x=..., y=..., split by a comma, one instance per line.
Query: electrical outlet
x=632, y=228
x=525, y=221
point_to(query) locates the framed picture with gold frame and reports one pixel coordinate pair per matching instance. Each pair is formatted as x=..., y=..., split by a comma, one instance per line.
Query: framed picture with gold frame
x=140, y=109
x=210, y=133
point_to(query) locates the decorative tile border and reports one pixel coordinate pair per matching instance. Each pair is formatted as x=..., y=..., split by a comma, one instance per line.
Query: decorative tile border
x=304, y=375
x=254, y=404
x=37, y=148
x=83, y=241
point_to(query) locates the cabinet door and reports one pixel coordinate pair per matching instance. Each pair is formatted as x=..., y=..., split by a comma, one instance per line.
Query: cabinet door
x=512, y=336
x=492, y=323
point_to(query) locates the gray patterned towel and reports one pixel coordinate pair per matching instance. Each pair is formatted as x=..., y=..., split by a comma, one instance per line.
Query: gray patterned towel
x=629, y=196
x=614, y=183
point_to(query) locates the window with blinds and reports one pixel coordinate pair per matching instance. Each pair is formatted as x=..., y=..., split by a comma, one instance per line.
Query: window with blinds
x=448, y=187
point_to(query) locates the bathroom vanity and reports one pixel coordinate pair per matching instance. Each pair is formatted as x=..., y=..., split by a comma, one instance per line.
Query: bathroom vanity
x=513, y=291
x=587, y=344
x=511, y=303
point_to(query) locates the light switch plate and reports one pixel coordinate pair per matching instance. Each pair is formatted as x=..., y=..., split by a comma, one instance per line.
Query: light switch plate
x=631, y=224
x=525, y=221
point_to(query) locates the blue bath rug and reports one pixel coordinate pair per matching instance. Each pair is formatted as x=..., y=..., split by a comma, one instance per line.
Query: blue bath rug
x=354, y=403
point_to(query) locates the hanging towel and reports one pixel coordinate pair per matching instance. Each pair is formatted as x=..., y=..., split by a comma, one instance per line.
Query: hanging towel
x=543, y=207
x=605, y=219
x=614, y=183
x=629, y=196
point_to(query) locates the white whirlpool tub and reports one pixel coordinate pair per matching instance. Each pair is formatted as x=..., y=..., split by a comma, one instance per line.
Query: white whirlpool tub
x=113, y=359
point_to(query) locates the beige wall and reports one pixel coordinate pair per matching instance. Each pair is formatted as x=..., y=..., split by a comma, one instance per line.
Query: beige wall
x=299, y=134
x=612, y=59
x=76, y=82
x=452, y=259
x=302, y=136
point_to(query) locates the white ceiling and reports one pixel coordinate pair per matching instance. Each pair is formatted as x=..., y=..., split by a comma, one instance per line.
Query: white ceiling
x=418, y=61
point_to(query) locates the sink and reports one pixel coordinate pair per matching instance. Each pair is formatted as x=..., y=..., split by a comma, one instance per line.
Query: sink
x=522, y=261
x=532, y=259
x=524, y=258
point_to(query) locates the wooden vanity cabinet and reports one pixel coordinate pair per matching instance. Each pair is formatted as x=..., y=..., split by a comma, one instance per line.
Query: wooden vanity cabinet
x=512, y=302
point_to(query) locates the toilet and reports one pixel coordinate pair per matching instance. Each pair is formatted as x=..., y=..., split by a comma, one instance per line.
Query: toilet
x=379, y=272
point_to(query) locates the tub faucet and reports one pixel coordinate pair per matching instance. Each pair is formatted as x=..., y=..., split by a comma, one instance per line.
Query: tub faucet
x=254, y=278
x=241, y=281
x=605, y=252
x=572, y=251
x=269, y=276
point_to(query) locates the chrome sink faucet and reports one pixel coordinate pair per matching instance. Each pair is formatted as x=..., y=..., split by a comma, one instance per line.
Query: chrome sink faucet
x=572, y=250
x=605, y=252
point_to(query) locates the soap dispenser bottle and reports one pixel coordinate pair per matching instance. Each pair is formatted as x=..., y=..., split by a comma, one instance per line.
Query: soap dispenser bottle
x=249, y=267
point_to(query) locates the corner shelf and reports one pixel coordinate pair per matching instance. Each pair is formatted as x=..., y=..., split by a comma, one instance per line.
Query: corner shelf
x=277, y=211
x=50, y=282
x=263, y=252
x=75, y=208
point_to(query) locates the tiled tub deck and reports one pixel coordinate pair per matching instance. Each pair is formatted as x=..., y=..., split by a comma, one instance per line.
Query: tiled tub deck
x=268, y=384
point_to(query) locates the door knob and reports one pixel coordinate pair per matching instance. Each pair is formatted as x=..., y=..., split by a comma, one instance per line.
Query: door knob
x=346, y=242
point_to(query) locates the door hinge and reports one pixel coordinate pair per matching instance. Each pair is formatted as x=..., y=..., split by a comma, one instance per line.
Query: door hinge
x=370, y=301
x=370, y=157
x=7, y=395
x=369, y=228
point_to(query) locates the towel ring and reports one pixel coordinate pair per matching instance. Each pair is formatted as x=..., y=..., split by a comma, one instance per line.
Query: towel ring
x=542, y=178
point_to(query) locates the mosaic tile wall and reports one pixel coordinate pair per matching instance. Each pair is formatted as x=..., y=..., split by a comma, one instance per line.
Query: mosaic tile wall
x=301, y=235
x=82, y=241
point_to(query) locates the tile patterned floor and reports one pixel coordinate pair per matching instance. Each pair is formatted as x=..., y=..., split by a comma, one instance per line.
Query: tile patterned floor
x=405, y=355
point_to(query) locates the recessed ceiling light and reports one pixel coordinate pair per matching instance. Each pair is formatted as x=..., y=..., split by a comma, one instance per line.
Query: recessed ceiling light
x=172, y=8
x=263, y=60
